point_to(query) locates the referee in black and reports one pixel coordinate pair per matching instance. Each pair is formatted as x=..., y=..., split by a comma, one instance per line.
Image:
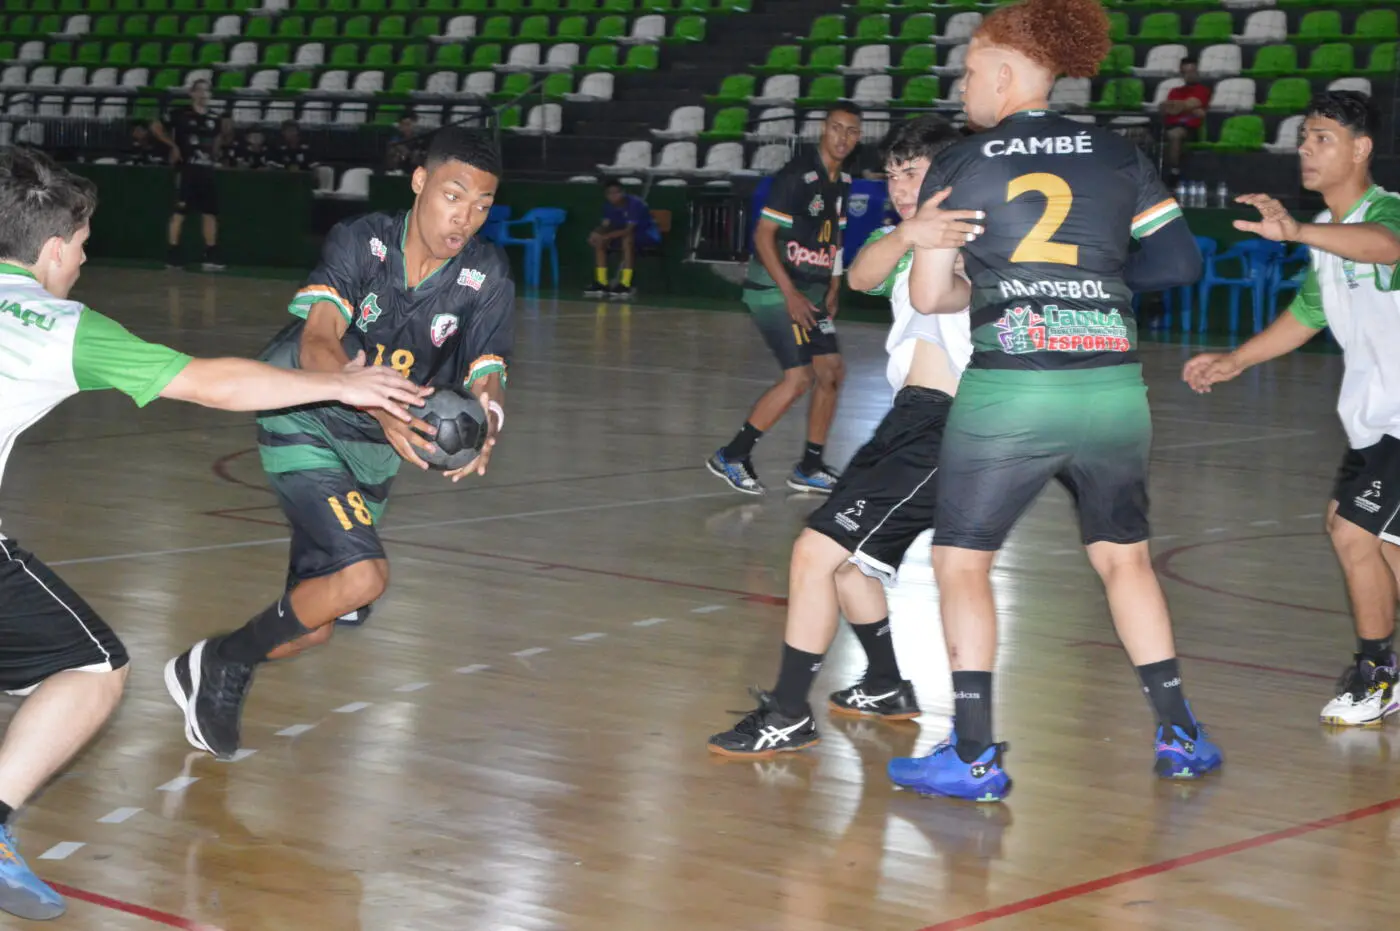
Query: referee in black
x=192, y=133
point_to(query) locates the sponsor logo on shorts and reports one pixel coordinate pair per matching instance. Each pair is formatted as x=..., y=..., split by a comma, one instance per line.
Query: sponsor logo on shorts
x=369, y=312
x=376, y=249
x=471, y=278
x=1369, y=500
x=847, y=517
x=444, y=325
x=826, y=325
x=799, y=255
x=1023, y=329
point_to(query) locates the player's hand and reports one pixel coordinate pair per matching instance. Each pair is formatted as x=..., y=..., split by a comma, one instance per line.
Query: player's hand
x=493, y=427
x=595, y=239
x=800, y=309
x=1209, y=368
x=935, y=228
x=1275, y=221
x=379, y=388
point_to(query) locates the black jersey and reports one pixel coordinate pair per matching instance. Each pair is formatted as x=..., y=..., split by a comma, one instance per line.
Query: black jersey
x=455, y=327
x=810, y=210
x=194, y=134
x=1063, y=200
x=297, y=157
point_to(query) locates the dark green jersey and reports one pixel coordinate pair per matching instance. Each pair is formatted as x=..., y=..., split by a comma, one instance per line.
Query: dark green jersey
x=810, y=210
x=1063, y=202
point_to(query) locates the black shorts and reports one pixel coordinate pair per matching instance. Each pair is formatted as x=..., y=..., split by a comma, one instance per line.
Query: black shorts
x=1367, y=490
x=888, y=494
x=793, y=346
x=197, y=191
x=1011, y=431
x=334, y=520
x=45, y=628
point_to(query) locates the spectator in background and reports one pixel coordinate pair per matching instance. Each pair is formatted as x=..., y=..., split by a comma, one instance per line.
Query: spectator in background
x=292, y=153
x=253, y=152
x=193, y=134
x=627, y=227
x=144, y=148
x=1183, y=112
x=400, y=157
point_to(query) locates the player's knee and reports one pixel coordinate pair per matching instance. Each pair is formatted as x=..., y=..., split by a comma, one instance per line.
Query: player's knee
x=831, y=374
x=361, y=584
x=1110, y=559
x=798, y=381
x=318, y=637
x=814, y=551
x=1351, y=543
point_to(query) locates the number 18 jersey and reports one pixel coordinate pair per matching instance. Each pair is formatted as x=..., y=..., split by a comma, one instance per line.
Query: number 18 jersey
x=1063, y=200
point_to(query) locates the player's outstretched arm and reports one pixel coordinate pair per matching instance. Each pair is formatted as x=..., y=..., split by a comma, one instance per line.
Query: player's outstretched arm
x=1375, y=242
x=1281, y=337
x=245, y=385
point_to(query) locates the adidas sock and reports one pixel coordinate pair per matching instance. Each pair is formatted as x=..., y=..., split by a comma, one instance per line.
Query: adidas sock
x=795, y=676
x=626, y=278
x=251, y=643
x=1377, y=651
x=600, y=275
x=1162, y=683
x=881, y=665
x=742, y=445
x=5, y=812
x=812, y=457
x=972, y=713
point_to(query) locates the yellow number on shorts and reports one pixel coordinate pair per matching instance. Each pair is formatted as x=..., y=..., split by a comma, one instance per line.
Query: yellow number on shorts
x=357, y=507
x=400, y=360
x=1037, y=245
x=826, y=232
x=800, y=336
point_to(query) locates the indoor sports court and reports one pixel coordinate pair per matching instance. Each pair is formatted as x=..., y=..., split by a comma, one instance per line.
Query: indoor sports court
x=516, y=740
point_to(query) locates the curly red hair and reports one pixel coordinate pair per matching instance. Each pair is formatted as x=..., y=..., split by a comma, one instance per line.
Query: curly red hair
x=1069, y=37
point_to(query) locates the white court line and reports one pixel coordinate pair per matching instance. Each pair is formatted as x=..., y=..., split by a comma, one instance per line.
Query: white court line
x=1307, y=517
x=649, y=622
x=413, y=687
x=240, y=755
x=1166, y=536
x=707, y=609
x=532, y=651
x=296, y=730
x=1286, y=434
x=1216, y=530
x=1263, y=523
x=117, y=816
x=351, y=708
x=584, y=638
x=474, y=667
x=398, y=528
x=62, y=851
x=178, y=784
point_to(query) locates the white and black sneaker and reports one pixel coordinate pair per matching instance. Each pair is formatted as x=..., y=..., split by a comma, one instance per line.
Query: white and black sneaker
x=355, y=618
x=766, y=732
x=210, y=691
x=892, y=701
x=1366, y=694
x=595, y=290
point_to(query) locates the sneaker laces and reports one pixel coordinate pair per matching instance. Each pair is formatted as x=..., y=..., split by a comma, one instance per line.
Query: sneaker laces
x=233, y=684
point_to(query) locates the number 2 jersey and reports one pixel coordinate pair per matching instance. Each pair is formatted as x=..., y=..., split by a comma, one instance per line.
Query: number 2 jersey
x=455, y=327
x=810, y=210
x=1063, y=201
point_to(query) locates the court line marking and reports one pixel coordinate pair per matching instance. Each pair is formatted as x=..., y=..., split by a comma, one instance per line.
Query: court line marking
x=584, y=638
x=468, y=670
x=240, y=755
x=62, y=850
x=707, y=609
x=649, y=622
x=530, y=651
x=296, y=730
x=178, y=784
x=140, y=911
x=413, y=687
x=1163, y=866
x=1196, y=444
x=118, y=815
x=351, y=708
x=1163, y=564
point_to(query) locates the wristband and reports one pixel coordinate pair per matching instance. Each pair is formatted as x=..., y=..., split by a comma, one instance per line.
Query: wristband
x=495, y=408
x=839, y=267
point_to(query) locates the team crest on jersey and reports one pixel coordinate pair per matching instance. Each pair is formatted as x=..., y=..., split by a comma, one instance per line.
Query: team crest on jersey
x=810, y=178
x=471, y=278
x=817, y=205
x=859, y=204
x=376, y=249
x=444, y=325
x=369, y=312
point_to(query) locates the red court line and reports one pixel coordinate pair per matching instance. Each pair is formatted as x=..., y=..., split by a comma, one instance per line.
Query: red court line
x=140, y=911
x=1163, y=564
x=1238, y=664
x=1164, y=866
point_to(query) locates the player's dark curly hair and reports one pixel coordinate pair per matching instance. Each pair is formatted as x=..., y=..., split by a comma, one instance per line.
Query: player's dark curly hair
x=1069, y=37
x=1352, y=109
x=470, y=147
x=38, y=201
x=923, y=136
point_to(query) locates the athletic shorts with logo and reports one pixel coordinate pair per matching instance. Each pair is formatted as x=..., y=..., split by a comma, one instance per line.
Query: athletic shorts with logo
x=793, y=346
x=888, y=494
x=1011, y=431
x=45, y=628
x=1367, y=489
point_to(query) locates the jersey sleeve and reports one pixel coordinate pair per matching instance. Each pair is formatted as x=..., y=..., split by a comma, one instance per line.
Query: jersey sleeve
x=784, y=199
x=336, y=279
x=107, y=355
x=886, y=287
x=490, y=336
x=1385, y=211
x=1155, y=207
x=951, y=169
x=1307, y=306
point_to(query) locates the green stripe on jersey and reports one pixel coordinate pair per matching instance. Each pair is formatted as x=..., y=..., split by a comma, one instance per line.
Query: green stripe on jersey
x=1155, y=219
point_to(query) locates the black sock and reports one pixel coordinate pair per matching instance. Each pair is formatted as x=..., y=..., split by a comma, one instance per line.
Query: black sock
x=742, y=445
x=812, y=457
x=875, y=639
x=251, y=643
x=795, y=676
x=1162, y=683
x=5, y=812
x=1377, y=651
x=172, y=255
x=972, y=713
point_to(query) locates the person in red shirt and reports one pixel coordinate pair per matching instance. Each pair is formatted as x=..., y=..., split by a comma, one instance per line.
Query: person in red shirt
x=1182, y=114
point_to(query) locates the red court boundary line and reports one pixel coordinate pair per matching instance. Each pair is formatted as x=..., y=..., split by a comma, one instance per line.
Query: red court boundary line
x=1163, y=564
x=1238, y=664
x=1164, y=866
x=140, y=911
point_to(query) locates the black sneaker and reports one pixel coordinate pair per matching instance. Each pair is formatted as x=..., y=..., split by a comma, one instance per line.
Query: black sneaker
x=596, y=290
x=620, y=293
x=766, y=732
x=210, y=691
x=355, y=618
x=892, y=701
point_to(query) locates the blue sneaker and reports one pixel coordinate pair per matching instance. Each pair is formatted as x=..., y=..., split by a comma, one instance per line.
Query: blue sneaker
x=21, y=892
x=944, y=773
x=822, y=481
x=738, y=473
x=1179, y=756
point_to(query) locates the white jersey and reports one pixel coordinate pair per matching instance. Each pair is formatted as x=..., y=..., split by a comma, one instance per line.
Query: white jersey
x=1361, y=305
x=953, y=332
x=51, y=348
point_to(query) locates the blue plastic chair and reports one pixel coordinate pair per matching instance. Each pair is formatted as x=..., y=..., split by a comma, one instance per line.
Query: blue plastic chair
x=1255, y=257
x=1279, y=279
x=495, y=226
x=1181, y=297
x=544, y=223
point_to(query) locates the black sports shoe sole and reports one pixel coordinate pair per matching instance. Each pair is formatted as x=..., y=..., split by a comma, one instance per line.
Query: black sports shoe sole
x=848, y=712
x=185, y=699
x=761, y=754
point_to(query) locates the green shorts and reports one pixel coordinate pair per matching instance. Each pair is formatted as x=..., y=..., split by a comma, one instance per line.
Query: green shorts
x=793, y=346
x=1011, y=431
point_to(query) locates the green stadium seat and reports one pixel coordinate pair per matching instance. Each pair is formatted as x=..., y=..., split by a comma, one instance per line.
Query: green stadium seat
x=194, y=27
x=919, y=91
x=1382, y=59
x=1241, y=133
x=1319, y=26
x=508, y=118
x=405, y=82
x=1120, y=94
x=291, y=27
x=138, y=24
x=371, y=6
x=276, y=54
x=542, y=6
x=610, y=29
x=450, y=56
x=180, y=53
x=695, y=6
x=601, y=58
x=782, y=59
x=580, y=6
x=826, y=29
x=89, y=53
x=728, y=124
x=556, y=86
x=425, y=26
x=106, y=25
x=357, y=27
x=1119, y=60
x=150, y=55
x=297, y=81
x=323, y=27
x=413, y=56
x=392, y=27
x=258, y=28
x=1215, y=26
x=1286, y=96
x=119, y=54
x=497, y=27
x=1273, y=61
x=642, y=58
x=824, y=90
x=1377, y=24
x=510, y=6
x=379, y=55
x=656, y=6
x=513, y=86
x=404, y=6
x=211, y=53
x=572, y=29
x=872, y=28
x=737, y=88
x=1332, y=59
x=825, y=59
x=1117, y=26
x=689, y=29
x=534, y=29
x=485, y=57
x=152, y=6
x=921, y=27
x=917, y=59
x=59, y=53
x=166, y=78
x=735, y=6
x=345, y=56
x=1159, y=27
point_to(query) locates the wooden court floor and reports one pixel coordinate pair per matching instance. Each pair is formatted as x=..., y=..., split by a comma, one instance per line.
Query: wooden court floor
x=517, y=740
